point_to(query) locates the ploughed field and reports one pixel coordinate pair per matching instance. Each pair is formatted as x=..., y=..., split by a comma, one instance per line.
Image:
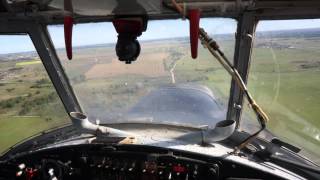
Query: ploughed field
x=284, y=79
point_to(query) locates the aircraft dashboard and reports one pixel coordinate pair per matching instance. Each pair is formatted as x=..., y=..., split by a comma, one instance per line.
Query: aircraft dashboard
x=123, y=163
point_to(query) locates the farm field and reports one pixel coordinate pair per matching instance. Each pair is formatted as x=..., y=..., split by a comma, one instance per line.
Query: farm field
x=284, y=79
x=28, y=101
x=119, y=87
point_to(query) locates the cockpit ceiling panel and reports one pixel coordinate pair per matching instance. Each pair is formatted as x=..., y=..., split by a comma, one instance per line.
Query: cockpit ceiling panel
x=111, y=7
x=52, y=11
x=150, y=7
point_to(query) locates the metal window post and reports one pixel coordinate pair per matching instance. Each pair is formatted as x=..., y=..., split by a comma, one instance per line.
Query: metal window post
x=44, y=46
x=242, y=56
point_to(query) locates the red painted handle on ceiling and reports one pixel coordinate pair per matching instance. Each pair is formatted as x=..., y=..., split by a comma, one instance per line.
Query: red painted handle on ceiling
x=68, y=24
x=194, y=17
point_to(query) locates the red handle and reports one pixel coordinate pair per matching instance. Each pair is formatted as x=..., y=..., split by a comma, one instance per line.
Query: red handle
x=68, y=24
x=194, y=17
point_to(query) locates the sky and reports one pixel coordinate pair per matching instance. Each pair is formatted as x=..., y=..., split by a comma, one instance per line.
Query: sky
x=100, y=33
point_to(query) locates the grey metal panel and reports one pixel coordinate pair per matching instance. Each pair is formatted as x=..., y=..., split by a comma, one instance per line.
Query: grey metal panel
x=242, y=56
x=264, y=9
x=43, y=44
x=270, y=10
x=288, y=13
x=13, y=27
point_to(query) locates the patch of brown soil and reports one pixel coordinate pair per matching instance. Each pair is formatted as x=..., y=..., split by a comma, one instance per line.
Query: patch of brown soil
x=150, y=64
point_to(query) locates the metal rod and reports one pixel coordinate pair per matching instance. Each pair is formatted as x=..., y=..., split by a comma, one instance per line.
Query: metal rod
x=223, y=60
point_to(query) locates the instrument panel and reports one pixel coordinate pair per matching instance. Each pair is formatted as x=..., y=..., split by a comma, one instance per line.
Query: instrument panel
x=121, y=163
x=113, y=165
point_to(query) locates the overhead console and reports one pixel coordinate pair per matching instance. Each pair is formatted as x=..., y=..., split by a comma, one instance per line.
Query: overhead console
x=123, y=163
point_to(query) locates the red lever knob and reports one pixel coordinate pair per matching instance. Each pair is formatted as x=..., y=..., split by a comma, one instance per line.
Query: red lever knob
x=68, y=24
x=194, y=17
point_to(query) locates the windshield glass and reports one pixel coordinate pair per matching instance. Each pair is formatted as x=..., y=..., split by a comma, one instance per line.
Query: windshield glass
x=29, y=103
x=284, y=79
x=164, y=85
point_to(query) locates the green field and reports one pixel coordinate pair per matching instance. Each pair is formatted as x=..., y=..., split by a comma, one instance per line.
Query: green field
x=28, y=102
x=284, y=80
x=28, y=62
